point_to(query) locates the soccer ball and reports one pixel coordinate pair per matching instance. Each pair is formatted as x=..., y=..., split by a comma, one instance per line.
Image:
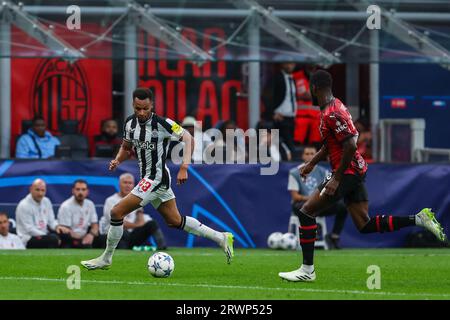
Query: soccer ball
x=160, y=265
x=274, y=240
x=288, y=241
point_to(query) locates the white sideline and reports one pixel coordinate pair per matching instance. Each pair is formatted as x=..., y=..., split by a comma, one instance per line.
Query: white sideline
x=284, y=253
x=379, y=293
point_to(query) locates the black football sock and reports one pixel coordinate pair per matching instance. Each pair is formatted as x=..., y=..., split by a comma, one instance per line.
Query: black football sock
x=383, y=223
x=339, y=221
x=308, y=228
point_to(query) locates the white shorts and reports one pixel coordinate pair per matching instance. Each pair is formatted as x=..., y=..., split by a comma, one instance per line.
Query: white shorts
x=144, y=190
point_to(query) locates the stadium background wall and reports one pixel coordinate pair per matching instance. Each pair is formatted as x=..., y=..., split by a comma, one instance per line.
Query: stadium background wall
x=414, y=97
x=238, y=198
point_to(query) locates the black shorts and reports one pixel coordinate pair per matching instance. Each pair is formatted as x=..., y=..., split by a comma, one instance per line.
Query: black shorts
x=351, y=189
x=336, y=207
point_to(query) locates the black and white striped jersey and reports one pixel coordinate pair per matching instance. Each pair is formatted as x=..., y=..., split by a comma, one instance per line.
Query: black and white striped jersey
x=151, y=142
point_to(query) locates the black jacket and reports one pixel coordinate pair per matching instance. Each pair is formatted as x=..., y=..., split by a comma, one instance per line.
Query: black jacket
x=274, y=94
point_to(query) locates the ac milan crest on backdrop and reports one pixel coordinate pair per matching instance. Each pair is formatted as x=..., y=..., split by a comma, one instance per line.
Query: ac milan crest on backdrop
x=58, y=89
x=60, y=92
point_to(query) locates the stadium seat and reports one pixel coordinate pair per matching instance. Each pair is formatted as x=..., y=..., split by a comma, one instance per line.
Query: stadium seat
x=321, y=232
x=26, y=124
x=12, y=226
x=63, y=152
x=69, y=127
x=104, y=151
x=78, y=145
x=12, y=223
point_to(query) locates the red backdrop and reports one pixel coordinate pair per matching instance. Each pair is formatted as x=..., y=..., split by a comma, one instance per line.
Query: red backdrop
x=207, y=92
x=60, y=90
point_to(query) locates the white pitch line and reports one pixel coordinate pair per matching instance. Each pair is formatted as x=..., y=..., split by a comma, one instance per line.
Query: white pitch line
x=237, y=253
x=379, y=293
x=386, y=255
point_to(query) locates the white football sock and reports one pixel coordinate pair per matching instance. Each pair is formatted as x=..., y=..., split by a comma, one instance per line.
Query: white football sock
x=307, y=268
x=114, y=235
x=194, y=226
x=418, y=221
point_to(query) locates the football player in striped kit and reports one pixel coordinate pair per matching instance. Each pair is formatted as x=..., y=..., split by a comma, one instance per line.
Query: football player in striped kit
x=150, y=135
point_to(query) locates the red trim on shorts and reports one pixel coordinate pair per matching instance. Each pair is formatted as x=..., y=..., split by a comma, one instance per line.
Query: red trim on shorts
x=378, y=223
x=391, y=224
x=307, y=240
x=314, y=226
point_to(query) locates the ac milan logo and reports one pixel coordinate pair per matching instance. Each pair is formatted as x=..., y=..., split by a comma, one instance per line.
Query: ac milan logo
x=60, y=92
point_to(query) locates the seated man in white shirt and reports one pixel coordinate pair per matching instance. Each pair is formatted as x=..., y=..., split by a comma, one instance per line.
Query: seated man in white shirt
x=302, y=189
x=35, y=219
x=79, y=215
x=8, y=240
x=138, y=227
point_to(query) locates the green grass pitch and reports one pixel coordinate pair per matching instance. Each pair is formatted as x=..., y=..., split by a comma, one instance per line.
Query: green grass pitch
x=202, y=273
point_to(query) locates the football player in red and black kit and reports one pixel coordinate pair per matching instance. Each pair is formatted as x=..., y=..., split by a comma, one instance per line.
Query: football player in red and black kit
x=339, y=138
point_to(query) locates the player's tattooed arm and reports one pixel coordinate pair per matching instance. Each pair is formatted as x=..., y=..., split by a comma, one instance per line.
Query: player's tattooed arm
x=309, y=166
x=122, y=155
x=187, y=157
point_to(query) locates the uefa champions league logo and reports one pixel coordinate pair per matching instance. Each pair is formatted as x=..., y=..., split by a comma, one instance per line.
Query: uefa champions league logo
x=311, y=182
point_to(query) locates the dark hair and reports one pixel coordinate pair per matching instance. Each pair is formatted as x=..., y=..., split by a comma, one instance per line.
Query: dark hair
x=105, y=121
x=224, y=124
x=309, y=146
x=3, y=214
x=79, y=181
x=364, y=122
x=267, y=125
x=321, y=79
x=143, y=93
x=36, y=119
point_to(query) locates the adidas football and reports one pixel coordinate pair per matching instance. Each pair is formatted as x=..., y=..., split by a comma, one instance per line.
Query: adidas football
x=273, y=242
x=160, y=265
x=288, y=241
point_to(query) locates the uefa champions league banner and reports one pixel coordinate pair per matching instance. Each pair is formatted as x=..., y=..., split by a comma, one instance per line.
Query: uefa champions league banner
x=237, y=198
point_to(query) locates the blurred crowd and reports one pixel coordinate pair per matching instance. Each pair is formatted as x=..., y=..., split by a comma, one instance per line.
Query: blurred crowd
x=288, y=108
